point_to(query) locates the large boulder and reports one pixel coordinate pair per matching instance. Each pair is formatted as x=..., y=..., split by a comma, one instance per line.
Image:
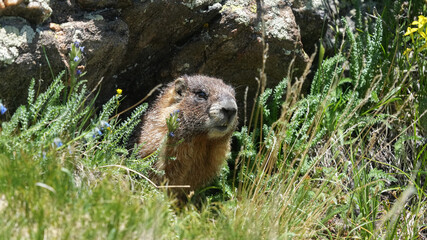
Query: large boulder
x=134, y=45
x=221, y=40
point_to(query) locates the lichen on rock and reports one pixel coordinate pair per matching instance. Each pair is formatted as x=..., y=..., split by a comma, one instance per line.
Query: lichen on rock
x=11, y=38
x=192, y=4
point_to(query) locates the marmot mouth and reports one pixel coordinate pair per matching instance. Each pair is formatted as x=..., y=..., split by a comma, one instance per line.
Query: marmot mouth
x=221, y=128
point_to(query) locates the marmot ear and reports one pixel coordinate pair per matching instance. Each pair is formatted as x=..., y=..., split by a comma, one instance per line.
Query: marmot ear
x=181, y=85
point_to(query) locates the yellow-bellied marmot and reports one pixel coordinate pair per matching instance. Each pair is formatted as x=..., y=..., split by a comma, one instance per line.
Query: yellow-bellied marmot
x=196, y=150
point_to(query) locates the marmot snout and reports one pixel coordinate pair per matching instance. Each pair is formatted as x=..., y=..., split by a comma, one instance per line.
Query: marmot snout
x=222, y=116
x=208, y=116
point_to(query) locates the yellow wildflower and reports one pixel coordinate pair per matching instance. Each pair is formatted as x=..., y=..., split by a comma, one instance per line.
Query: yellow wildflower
x=418, y=35
x=119, y=91
x=410, y=31
x=406, y=52
x=421, y=21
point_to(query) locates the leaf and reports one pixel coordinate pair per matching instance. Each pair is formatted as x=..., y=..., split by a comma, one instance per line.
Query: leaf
x=345, y=80
x=374, y=96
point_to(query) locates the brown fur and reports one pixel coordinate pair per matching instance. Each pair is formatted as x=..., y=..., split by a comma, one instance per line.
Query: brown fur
x=198, y=149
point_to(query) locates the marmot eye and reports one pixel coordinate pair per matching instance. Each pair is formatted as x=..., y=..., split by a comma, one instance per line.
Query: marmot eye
x=201, y=94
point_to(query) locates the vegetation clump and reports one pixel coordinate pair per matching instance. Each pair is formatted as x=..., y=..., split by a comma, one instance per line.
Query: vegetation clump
x=345, y=160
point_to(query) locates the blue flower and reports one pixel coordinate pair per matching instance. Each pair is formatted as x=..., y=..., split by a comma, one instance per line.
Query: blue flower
x=97, y=130
x=105, y=124
x=3, y=109
x=76, y=58
x=78, y=72
x=171, y=134
x=82, y=49
x=176, y=112
x=58, y=142
x=76, y=43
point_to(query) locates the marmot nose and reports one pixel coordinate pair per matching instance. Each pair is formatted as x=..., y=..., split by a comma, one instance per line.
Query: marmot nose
x=229, y=109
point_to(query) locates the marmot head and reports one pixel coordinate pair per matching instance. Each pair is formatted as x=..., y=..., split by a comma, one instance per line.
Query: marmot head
x=207, y=106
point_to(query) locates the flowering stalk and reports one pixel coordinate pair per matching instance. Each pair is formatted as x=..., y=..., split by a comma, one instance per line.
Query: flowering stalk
x=418, y=36
x=172, y=123
x=75, y=57
x=76, y=70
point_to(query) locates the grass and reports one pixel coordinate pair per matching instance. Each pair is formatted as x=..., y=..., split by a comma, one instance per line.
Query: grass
x=345, y=161
x=54, y=203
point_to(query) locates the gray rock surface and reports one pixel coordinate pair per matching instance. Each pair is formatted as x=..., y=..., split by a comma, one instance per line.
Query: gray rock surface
x=24, y=50
x=134, y=45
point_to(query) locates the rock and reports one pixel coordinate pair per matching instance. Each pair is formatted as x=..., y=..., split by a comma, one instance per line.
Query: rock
x=104, y=42
x=134, y=45
x=322, y=19
x=96, y=4
x=213, y=39
x=14, y=34
x=313, y=18
x=155, y=37
x=35, y=11
x=231, y=47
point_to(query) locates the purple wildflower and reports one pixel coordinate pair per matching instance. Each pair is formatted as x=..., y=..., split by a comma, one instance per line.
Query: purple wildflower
x=76, y=58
